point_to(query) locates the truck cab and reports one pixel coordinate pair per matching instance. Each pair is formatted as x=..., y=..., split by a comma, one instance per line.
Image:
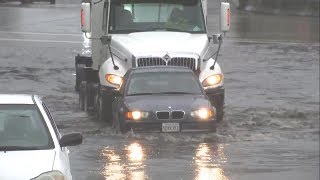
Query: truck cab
x=142, y=33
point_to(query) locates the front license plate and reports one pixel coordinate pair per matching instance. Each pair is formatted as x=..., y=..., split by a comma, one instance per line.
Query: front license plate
x=170, y=127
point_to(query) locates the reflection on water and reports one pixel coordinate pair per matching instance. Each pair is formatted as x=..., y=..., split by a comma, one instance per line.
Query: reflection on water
x=114, y=168
x=275, y=27
x=208, y=161
x=135, y=156
x=131, y=167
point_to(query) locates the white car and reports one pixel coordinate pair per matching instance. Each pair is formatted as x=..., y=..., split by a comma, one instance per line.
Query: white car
x=31, y=146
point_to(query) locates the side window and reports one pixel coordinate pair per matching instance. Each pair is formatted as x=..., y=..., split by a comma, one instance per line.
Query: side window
x=51, y=121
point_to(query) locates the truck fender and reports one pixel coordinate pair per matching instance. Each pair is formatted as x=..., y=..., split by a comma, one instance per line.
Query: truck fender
x=107, y=68
x=206, y=71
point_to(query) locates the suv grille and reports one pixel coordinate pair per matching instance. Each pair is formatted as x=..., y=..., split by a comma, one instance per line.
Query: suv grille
x=177, y=114
x=175, y=61
x=163, y=115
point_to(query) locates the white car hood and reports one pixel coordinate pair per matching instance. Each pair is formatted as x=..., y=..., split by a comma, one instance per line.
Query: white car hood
x=151, y=43
x=23, y=165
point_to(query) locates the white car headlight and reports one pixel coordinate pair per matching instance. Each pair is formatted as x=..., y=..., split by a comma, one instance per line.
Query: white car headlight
x=114, y=79
x=51, y=175
x=203, y=113
x=212, y=80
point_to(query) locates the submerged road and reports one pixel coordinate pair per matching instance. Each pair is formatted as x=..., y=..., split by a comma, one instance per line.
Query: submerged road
x=271, y=127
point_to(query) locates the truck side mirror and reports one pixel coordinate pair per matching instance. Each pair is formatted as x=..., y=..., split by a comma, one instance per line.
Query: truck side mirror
x=85, y=17
x=216, y=38
x=225, y=17
x=106, y=39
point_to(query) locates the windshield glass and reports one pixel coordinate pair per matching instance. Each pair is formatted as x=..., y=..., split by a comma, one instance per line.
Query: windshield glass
x=22, y=128
x=163, y=82
x=156, y=15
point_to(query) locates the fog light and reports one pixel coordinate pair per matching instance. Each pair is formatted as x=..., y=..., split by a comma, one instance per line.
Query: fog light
x=213, y=80
x=203, y=113
x=136, y=115
x=114, y=79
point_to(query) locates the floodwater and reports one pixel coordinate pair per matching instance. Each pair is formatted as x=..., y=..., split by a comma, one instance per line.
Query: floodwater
x=271, y=126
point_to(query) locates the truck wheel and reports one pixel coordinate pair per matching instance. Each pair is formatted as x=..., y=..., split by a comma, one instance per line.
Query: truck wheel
x=119, y=125
x=105, y=108
x=82, y=92
x=79, y=75
x=220, y=110
x=89, y=98
x=213, y=128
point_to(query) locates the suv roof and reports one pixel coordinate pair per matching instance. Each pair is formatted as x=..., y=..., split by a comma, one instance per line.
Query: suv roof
x=16, y=99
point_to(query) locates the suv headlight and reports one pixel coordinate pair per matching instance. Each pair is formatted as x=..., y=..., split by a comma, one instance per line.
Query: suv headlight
x=212, y=80
x=51, y=175
x=136, y=115
x=203, y=113
x=114, y=79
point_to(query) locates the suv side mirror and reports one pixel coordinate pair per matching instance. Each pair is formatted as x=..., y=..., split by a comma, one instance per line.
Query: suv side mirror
x=71, y=139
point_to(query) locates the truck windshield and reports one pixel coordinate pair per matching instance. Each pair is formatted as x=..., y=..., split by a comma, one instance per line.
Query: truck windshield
x=156, y=15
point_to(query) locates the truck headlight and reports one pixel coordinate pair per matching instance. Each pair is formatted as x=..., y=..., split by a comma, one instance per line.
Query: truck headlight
x=212, y=80
x=136, y=115
x=114, y=79
x=203, y=113
x=51, y=175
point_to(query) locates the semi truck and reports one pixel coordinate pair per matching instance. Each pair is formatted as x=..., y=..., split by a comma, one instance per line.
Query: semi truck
x=127, y=34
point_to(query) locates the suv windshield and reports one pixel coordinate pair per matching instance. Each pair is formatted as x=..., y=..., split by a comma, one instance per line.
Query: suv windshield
x=22, y=128
x=156, y=15
x=163, y=83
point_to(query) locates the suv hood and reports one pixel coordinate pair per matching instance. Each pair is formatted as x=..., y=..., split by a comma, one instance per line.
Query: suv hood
x=21, y=165
x=163, y=102
x=162, y=42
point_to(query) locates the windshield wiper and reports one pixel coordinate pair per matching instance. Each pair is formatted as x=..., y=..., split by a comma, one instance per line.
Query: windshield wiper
x=174, y=92
x=166, y=29
x=16, y=148
x=140, y=94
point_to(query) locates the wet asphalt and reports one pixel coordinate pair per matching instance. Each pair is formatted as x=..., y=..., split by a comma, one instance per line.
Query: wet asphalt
x=271, y=127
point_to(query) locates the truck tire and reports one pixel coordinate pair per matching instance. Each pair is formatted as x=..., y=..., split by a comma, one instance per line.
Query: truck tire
x=216, y=98
x=82, y=92
x=213, y=128
x=79, y=76
x=89, y=98
x=104, y=108
x=120, y=125
x=219, y=105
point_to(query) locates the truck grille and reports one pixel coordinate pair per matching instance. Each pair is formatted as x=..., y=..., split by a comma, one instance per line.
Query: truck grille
x=175, y=61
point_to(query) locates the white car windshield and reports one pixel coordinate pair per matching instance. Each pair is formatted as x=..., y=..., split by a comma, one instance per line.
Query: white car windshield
x=156, y=15
x=23, y=128
x=163, y=83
